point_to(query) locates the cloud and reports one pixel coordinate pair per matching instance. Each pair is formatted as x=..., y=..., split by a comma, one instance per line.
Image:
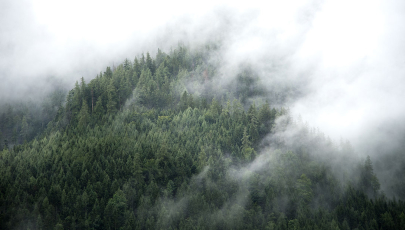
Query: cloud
x=357, y=81
x=345, y=59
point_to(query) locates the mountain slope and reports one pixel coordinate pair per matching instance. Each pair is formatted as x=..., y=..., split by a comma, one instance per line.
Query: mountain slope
x=154, y=144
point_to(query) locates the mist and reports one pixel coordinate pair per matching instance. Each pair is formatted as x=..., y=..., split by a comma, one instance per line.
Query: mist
x=342, y=60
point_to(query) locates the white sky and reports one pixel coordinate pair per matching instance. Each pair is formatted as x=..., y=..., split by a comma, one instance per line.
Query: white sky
x=353, y=50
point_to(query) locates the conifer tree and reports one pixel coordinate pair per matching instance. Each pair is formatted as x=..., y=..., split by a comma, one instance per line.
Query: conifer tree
x=108, y=73
x=84, y=116
x=369, y=181
x=247, y=150
x=112, y=98
x=150, y=64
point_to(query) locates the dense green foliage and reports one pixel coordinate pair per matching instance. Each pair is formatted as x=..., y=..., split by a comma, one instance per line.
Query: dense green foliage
x=151, y=145
x=24, y=120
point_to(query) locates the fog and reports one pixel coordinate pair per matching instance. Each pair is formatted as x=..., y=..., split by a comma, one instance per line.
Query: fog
x=345, y=59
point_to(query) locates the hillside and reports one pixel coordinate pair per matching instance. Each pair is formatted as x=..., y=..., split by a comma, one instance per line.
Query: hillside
x=158, y=143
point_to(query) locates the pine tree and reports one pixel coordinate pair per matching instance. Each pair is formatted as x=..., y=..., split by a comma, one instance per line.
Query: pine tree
x=247, y=151
x=115, y=210
x=74, y=101
x=99, y=110
x=84, y=116
x=142, y=62
x=150, y=64
x=127, y=64
x=253, y=123
x=108, y=73
x=183, y=101
x=112, y=98
x=369, y=182
x=215, y=108
x=136, y=72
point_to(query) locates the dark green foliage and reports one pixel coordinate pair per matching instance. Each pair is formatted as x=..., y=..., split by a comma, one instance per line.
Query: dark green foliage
x=23, y=121
x=136, y=149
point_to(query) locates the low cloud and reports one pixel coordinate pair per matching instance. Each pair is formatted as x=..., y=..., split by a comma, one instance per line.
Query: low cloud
x=343, y=61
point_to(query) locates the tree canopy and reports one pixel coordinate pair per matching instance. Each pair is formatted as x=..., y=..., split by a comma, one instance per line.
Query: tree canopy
x=153, y=144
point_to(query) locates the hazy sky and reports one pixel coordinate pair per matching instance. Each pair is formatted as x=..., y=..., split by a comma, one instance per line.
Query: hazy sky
x=351, y=53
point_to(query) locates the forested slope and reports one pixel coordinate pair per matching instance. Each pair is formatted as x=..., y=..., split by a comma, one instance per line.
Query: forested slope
x=155, y=144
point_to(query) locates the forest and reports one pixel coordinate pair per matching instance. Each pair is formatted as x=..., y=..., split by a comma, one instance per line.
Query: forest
x=155, y=143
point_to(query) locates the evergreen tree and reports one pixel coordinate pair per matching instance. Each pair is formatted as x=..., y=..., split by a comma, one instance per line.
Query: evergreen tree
x=84, y=116
x=112, y=98
x=369, y=182
x=184, y=101
x=176, y=160
x=115, y=211
x=108, y=73
x=150, y=64
x=247, y=151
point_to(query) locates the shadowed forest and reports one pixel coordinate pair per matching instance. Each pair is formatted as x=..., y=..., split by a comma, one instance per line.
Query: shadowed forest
x=159, y=143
